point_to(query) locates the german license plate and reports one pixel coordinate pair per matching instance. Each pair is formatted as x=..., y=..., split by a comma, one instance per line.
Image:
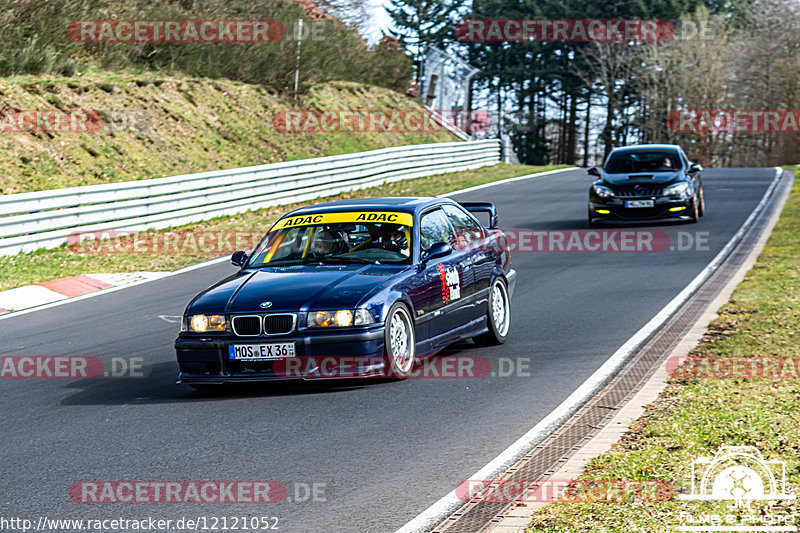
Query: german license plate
x=261, y=352
x=639, y=203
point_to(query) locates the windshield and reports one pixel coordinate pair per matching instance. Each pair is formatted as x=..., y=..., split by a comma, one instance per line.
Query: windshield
x=643, y=161
x=336, y=238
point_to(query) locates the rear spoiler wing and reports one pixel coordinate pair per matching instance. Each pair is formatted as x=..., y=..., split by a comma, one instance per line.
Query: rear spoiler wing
x=482, y=207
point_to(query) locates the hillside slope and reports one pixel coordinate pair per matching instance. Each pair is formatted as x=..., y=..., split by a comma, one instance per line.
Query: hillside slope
x=165, y=126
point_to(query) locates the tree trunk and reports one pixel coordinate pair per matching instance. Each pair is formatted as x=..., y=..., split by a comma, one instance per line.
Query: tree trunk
x=586, y=128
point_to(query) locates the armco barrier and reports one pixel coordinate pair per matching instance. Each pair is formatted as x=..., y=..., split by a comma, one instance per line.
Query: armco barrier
x=44, y=219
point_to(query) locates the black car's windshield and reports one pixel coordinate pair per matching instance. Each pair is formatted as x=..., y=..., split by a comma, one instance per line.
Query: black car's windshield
x=643, y=161
x=331, y=238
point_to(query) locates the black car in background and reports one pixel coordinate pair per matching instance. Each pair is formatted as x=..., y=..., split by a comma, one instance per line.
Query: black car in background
x=646, y=182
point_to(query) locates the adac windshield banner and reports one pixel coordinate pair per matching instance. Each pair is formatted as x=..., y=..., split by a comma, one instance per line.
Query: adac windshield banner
x=362, y=217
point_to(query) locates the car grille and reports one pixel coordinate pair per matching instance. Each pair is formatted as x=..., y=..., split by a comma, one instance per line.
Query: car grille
x=251, y=325
x=277, y=324
x=246, y=326
x=644, y=191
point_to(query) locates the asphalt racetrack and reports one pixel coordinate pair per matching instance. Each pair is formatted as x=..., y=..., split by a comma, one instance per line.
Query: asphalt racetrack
x=377, y=453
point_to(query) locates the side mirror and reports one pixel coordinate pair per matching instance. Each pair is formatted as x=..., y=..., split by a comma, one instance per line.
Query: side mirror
x=695, y=167
x=594, y=171
x=439, y=249
x=239, y=258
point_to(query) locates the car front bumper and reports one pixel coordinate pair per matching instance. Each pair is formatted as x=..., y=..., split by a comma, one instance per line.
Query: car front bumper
x=321, y=355
x=663, y=208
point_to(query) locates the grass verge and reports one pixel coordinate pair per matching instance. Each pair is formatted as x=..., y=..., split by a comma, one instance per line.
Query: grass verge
x=43, y=265
x=695, y=417
x=164, y=126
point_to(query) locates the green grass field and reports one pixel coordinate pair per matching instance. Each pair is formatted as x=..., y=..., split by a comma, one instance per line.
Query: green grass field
x=178, y=125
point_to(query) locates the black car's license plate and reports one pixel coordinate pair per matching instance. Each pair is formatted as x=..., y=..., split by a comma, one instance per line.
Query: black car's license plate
x=261, y=352
x=639, y=203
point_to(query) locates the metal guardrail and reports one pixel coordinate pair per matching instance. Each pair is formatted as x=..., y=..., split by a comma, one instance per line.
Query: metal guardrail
x=44, y=219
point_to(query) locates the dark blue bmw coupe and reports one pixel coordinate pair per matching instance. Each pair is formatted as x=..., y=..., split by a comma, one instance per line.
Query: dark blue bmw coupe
x=376, y=284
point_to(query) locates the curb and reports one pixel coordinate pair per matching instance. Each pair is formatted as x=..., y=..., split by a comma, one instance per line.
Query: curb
x=47, y=292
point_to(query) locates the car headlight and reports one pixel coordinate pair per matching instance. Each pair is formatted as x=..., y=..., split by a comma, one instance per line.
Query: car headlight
x=679, y=190
x=205, y=324
x=602, y=191
x=340, y=318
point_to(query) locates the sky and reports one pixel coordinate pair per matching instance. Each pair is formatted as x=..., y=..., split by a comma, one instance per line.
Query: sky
x=380, y=21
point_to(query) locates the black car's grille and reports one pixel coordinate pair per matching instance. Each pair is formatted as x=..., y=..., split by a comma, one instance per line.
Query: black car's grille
x=246, y=326
x=277, y=324
x=641, y=191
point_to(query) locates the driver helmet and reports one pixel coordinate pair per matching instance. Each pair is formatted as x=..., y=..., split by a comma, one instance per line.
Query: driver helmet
x=394, y=236
x=328, y=242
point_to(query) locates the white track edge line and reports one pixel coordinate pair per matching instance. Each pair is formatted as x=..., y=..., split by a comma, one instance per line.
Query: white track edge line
x=225, y=258
x=433, y=515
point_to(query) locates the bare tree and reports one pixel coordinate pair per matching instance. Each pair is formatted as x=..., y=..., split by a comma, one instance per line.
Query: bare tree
x=767, y=71
x=611, y=68
x=691, y=72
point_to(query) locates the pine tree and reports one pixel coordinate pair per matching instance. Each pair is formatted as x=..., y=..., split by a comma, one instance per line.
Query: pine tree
x=420, y=24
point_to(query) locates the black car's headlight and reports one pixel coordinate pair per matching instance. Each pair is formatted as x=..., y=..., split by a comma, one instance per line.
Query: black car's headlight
x=602, y=191
x=204, y=323
x=679, y=190
x=339, y=318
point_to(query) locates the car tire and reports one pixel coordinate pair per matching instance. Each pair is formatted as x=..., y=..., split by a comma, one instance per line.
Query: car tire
x=399, y=342
x=498, y=316
x=694, y=211
x=702, y=208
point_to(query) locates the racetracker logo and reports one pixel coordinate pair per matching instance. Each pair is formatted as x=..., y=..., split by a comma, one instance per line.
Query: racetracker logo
x=176, y=31
x=378, y=120
x=734, y=121
x=177, y=492
x=569, y=491
x=565, y=30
